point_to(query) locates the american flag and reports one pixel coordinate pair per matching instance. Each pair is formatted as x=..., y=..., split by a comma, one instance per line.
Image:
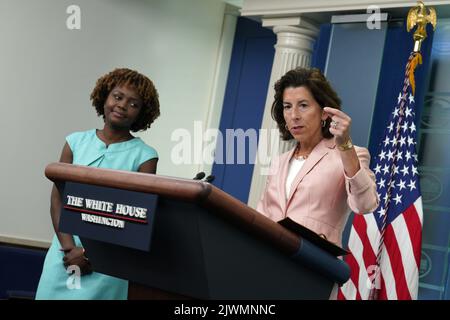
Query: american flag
x=385, y=245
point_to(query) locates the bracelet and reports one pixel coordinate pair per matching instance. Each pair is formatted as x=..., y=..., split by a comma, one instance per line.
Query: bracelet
x=346, y=146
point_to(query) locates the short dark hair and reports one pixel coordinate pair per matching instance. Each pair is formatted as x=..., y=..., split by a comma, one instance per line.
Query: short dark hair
x=144, y=87
x=316, y=83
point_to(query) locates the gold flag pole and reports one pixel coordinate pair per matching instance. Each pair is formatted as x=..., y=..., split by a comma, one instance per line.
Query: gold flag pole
x=420, y=16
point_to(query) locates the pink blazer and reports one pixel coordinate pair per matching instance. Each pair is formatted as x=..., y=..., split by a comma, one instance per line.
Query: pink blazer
x=321, y=193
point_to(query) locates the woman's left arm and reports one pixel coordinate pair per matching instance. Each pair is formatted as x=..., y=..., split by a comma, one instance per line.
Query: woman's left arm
x=359, y=179
x=361, y=188
x=350, y=161
x=148, y=166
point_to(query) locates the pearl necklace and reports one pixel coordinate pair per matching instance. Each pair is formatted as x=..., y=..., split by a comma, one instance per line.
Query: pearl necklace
x=301, y=157
x=296, y=156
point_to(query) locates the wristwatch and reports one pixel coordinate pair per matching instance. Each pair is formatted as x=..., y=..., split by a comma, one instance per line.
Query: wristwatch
x=346, y=146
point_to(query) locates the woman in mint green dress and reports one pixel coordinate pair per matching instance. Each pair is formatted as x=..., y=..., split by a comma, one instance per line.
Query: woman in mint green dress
x=128, y=101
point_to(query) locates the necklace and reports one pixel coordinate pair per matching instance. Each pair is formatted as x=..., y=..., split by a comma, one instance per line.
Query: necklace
x=299, y=157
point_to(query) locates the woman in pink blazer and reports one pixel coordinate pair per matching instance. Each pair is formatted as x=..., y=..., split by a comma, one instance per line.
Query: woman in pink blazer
x=325, y=175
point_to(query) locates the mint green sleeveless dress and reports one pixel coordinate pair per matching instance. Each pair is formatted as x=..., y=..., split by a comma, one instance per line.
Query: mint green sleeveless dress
x=89, y=150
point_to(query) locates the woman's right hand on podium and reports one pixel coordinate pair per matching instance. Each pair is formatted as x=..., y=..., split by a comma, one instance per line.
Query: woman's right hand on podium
x=76, y=256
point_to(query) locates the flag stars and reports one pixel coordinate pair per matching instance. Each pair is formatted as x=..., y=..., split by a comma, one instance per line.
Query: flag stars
x=405, y=170
x=390, y=155
x=377, y=169
x=399, y=98
x=395, y=112
x=394, y=141
x=405, y=126
x=401, y=185
x=394, y=167
x=408, y=155
x=391, y=126
x=412, y=185
x=408, y=112
x=398, y=198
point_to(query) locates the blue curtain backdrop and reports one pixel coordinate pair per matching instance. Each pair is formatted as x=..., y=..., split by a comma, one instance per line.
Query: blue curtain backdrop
x=245, y=97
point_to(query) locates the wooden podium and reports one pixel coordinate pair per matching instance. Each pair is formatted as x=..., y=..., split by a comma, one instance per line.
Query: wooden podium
x=205, y=244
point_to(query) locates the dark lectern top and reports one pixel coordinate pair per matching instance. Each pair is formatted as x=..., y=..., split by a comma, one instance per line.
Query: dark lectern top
x=316, y=253
x=195, y=191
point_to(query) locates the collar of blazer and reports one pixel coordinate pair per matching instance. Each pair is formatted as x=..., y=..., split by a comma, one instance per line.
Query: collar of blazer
x=319, y=151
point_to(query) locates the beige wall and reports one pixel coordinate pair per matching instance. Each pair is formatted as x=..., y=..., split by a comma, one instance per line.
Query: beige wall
x=47, y=73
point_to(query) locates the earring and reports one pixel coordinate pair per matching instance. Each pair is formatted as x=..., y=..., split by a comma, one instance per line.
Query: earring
x=285, y=125
x=324, y=123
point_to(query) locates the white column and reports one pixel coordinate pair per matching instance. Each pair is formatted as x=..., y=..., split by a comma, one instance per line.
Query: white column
x=212, y=116
x=295, y=40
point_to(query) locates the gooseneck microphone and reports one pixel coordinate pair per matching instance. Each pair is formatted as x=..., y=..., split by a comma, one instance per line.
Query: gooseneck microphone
x=199, y=176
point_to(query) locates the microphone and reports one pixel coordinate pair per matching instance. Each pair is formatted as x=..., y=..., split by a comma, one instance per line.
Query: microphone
x=210, y=178
x=199, y=176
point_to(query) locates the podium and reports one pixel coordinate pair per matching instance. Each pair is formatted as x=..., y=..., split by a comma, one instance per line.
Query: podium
x=205, y=244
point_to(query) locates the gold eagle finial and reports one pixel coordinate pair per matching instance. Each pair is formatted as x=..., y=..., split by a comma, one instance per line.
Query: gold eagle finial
x=420, y=16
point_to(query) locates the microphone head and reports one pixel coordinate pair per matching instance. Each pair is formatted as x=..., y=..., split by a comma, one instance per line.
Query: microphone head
x=210, y=178
x=199, y=176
